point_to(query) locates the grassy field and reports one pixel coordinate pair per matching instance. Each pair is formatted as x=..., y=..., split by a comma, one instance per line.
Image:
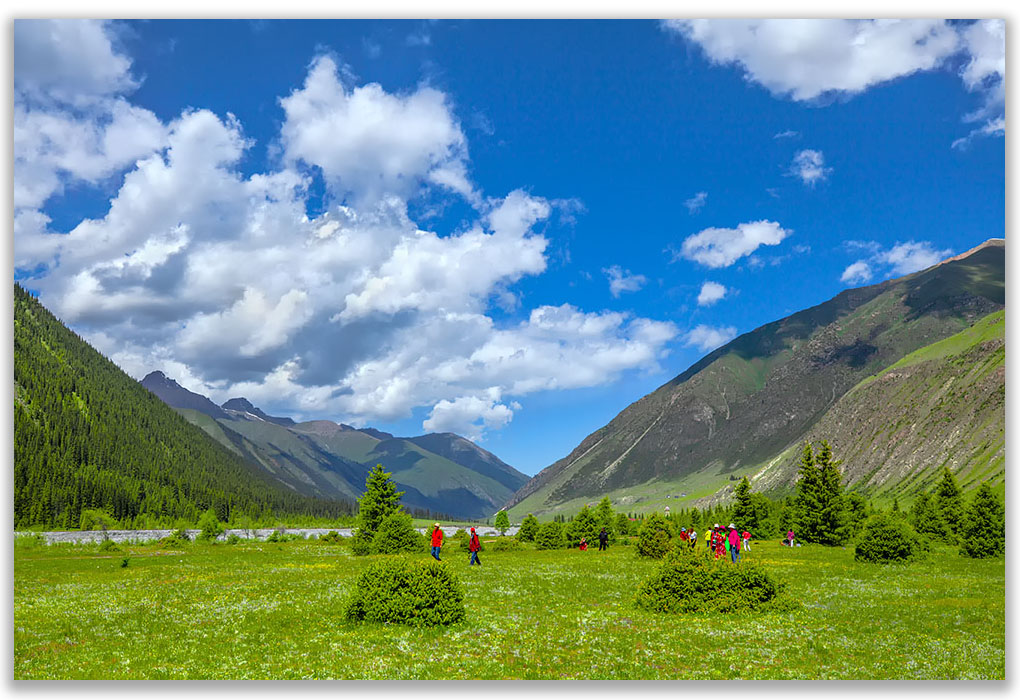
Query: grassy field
x=262, y=610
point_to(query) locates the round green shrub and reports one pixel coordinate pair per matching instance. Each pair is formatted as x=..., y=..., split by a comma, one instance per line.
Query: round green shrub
x=550, y=536
x=688, y=582
x=331, y=537
x=655, y=537
x=407, y=592
x=887, y=538
x=396, y=534
x=507, y=544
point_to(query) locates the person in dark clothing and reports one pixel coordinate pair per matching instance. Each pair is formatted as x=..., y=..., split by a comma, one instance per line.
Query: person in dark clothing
x=473, y=546
x=603, y=540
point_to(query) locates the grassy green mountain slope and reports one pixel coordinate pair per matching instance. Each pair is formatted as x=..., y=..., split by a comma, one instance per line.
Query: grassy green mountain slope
x=741, y=407
x=86, y=435
x=943, y=405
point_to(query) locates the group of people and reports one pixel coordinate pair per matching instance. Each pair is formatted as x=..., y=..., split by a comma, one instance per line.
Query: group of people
x=720, y=540
x=474, y=545
x=603, y=541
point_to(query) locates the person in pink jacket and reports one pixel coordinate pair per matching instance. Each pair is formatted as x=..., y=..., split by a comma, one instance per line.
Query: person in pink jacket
x=734, y=539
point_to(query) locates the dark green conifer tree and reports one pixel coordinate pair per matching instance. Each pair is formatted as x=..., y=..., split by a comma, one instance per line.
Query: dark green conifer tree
x=949, y=503
x=583, y=525
x=984, y=531
x=528, y=529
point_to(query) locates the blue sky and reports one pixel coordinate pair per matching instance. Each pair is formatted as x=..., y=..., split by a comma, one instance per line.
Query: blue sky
x=506, y=229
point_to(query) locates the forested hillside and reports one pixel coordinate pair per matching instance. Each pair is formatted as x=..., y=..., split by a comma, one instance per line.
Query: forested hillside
x=86, y=435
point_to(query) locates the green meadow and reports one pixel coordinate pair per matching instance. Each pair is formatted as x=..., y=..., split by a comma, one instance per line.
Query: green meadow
x=258, y=610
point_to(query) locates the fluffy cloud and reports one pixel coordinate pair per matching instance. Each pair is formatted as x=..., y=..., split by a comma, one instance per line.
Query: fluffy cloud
x=901, y=259
x=71, y=123
x=225, y=281
x=809, y=166
x=68, y=60
x=370, y=143
x=911, y=257
x=808, y=58
x=711, y=292
x=721, y=247
x=857, y=273
x=706, y=338
x=621, y=280
x=985, y=73
x=811, y=59
x=469, y=416
x=695, y=203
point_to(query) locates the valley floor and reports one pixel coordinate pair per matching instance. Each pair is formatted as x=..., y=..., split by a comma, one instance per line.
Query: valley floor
x=266, y=610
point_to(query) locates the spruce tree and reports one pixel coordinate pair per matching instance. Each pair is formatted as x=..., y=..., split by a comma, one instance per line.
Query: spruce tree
x=949, y=503
x=583, y=525
x=654, y=537
x=984, y=531
x=820, y=507
x=742, y=509
x=528, y=530
x=832, y=521
x=550, y=536
x=926, y=519
x=605, y=517
x=380, y=500
x=622, y=524
x=502, y=522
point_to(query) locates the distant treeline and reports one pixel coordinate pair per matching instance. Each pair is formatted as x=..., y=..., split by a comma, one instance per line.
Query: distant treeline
x=87, y=436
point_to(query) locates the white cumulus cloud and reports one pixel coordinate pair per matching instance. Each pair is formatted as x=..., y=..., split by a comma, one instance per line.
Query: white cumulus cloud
x=901, y=259
x=706, y=338
x=857, y=273
x=621, y=280
x=809, y=166
x=371, y=143
x=710, y=293
x=721, y=247
x=226, y=281
x=808, y=58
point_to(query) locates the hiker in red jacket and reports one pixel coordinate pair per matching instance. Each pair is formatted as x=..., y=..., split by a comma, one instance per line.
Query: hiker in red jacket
x=746, y=536
x=473, y=546
x=734, y=540
x=437, y=541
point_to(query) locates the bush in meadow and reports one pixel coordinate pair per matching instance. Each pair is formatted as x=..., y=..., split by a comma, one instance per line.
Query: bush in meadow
x=402, y=591
x=528, y=529
x=888, y=538
x=584, y=525
x=396, y=534
x=550, y=536
x=108, y=546
x=687, y=582
x=506, y=544
x=502, y=522
x=176, y=538
x=331, y=537
x=96, y=519
x=984, y=530
x=210, y=526
x=655, y=537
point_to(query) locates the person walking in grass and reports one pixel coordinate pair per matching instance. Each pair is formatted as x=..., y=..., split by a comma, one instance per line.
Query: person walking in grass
x=734, y=540
x=437, y=541
x=694, y=538
x=684, y=537
x=746, y=537
x=603, y=540
x=473, y=546
x=718, y=542
x=708, y=539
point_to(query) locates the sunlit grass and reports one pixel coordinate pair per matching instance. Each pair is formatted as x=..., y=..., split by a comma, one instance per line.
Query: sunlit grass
x=262, y=610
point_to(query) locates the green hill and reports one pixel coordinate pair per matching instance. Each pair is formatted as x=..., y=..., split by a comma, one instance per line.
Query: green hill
x=742, y=409
x=86, y=435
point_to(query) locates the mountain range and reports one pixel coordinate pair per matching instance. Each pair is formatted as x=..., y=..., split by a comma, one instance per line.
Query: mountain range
x=901, y=377
x=438, y=472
